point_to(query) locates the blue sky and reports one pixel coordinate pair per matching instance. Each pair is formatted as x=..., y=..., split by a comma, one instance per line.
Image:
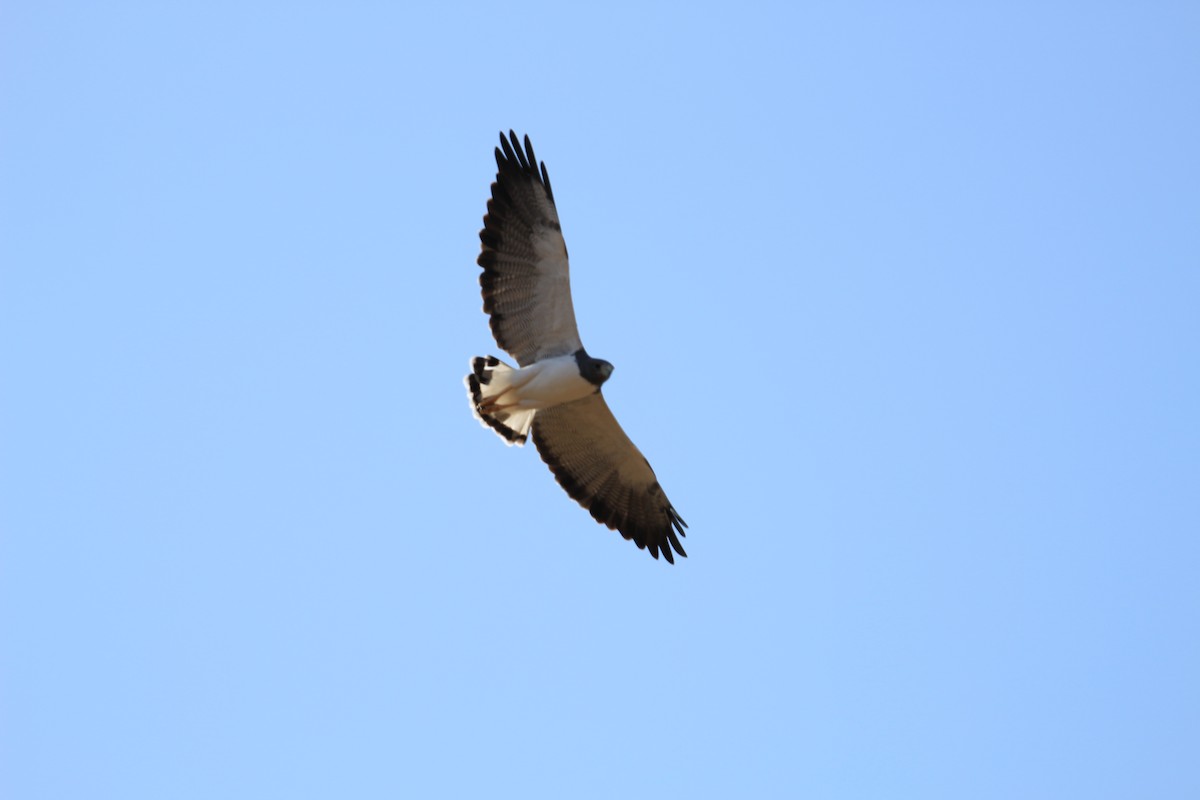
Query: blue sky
x=902, y=300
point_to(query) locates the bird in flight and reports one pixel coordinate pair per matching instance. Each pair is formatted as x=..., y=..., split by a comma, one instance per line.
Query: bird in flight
x=554, y=391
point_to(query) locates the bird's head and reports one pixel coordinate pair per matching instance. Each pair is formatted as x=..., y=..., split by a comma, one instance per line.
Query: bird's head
x=594, y=370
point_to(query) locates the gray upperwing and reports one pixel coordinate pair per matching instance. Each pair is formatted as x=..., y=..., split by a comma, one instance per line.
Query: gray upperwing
x=526, y=278
x=598, y=466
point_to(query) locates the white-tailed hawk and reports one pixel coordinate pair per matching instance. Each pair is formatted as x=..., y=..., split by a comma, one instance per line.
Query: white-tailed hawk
x=555, y=388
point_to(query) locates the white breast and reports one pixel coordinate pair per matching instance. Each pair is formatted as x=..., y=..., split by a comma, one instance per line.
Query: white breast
x=550, y=382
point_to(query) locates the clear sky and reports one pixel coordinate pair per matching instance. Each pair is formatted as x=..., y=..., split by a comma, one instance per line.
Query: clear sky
x=903, y=302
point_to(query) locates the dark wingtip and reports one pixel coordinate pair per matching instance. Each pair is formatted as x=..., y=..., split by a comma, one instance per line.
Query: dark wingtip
x=674, y=542
x=676, y=524
x=517, y=155
x=516, y=149
x=529, y=151
x=546, y=182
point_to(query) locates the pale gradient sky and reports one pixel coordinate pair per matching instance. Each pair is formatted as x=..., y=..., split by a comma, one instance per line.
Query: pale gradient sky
x=902, y=300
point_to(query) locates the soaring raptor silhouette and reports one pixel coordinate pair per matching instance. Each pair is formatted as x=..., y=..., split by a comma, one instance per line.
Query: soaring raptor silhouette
x=555, y=388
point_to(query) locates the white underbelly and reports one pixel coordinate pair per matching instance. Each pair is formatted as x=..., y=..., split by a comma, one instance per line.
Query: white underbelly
x=550, y=383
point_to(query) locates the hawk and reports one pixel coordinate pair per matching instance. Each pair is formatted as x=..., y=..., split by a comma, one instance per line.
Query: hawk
x=554, y=391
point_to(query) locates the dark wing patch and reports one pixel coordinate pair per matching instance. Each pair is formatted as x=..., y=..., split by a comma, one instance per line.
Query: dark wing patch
x=600, y=468
x=525, y=281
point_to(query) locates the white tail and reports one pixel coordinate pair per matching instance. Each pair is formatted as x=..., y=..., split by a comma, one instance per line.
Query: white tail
x=490, y=378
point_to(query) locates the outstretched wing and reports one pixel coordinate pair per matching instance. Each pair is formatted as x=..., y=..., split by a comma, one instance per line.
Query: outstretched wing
x=593, y=459
x=526, y=282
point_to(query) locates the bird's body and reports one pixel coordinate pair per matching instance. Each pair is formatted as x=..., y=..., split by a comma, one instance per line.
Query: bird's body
x=554, y=391
x=501, y=394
